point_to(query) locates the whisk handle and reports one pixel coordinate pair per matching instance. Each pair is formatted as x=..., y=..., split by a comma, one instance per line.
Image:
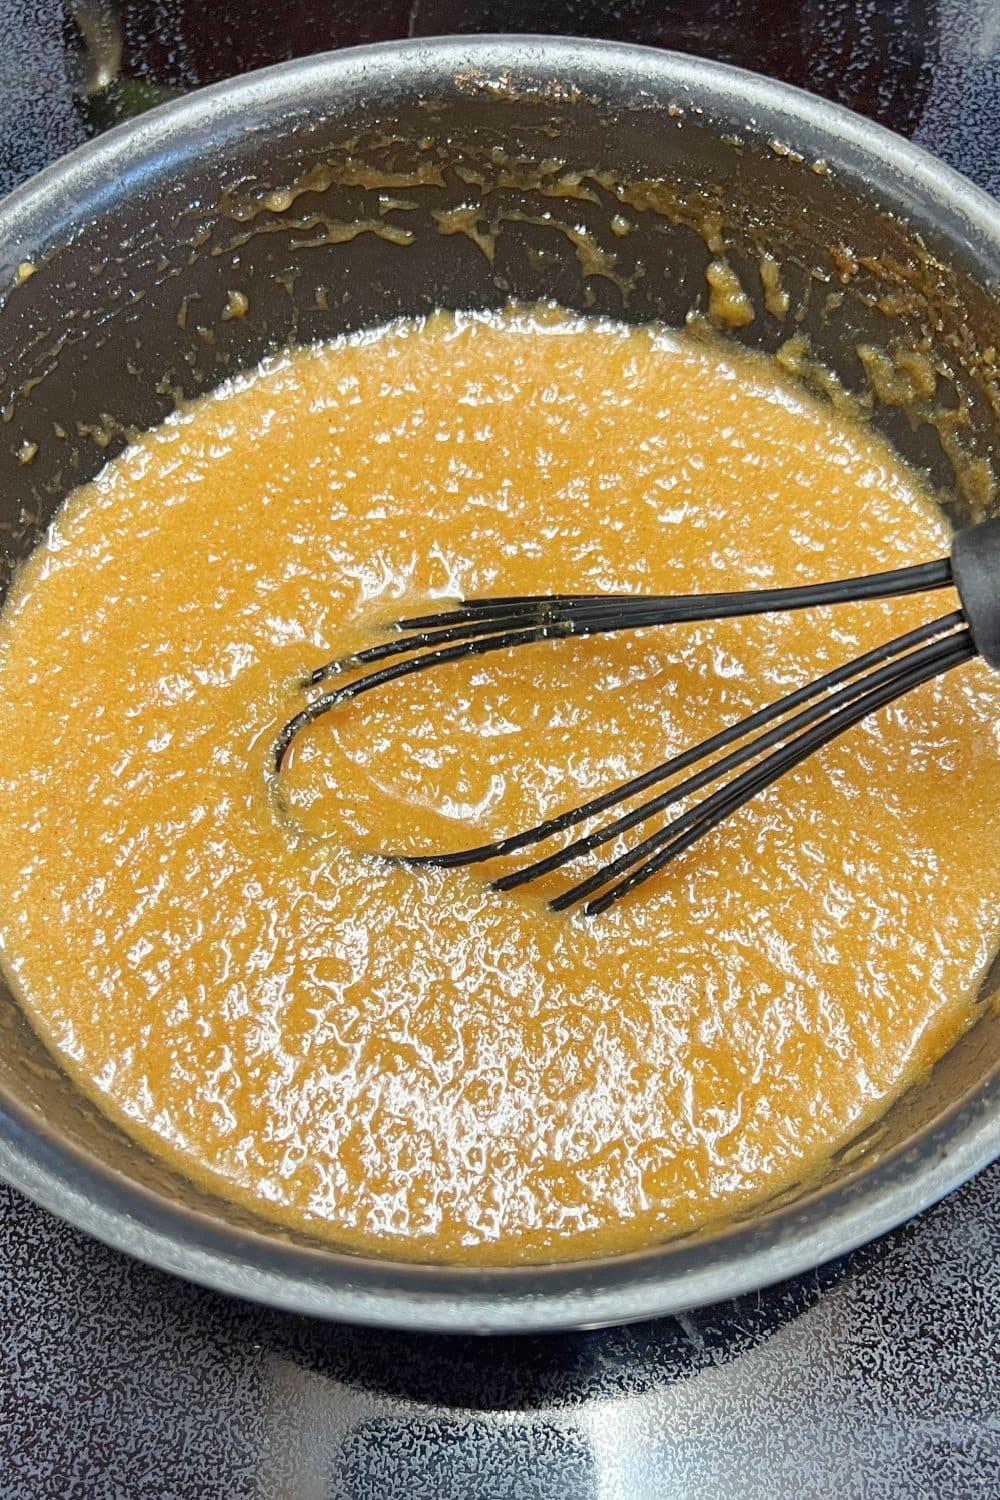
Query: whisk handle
x=975, y=567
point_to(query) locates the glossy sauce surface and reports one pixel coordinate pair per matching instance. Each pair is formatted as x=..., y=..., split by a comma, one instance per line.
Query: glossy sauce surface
x=405, y=1061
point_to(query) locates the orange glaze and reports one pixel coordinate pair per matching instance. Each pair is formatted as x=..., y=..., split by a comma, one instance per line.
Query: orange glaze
x=405, y=1061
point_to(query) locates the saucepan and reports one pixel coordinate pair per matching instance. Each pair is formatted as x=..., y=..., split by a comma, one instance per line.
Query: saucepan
x=338, y=191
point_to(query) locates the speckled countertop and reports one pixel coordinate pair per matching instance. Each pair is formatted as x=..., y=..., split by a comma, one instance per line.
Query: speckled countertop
x=875, y=1376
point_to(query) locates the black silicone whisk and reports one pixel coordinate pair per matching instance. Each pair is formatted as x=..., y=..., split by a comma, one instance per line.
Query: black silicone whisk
x=800, y=722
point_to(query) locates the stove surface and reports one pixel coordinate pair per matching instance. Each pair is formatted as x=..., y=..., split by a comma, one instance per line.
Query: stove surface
x=874, y=1376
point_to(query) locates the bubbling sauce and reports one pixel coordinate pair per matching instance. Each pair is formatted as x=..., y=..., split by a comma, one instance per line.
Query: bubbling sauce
x=404, y=1061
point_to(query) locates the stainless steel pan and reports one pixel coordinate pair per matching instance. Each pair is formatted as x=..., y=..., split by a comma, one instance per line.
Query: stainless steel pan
x=481, y=169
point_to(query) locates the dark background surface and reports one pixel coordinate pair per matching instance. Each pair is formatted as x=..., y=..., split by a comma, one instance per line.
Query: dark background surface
x=875, y=1376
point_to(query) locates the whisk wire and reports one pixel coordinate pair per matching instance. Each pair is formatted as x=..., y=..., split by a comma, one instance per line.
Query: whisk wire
x=915, y=579
x=543, y=616
x=672, y=767
x=682, y=832
x=802, y=721
x=826, y=709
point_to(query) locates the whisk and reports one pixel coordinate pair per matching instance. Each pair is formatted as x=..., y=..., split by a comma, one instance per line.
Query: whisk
x=801, y=722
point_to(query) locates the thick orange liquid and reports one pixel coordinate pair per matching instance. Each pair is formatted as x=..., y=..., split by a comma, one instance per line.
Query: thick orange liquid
x=406, y=1061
